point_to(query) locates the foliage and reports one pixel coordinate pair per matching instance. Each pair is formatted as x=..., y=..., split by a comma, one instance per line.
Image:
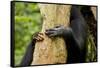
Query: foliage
x=27, y=22
x=91, y=51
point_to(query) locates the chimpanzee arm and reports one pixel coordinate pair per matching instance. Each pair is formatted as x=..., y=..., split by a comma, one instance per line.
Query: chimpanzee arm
x=78, y=36
x=28, y=57
x=74, y=35
x=76, y=40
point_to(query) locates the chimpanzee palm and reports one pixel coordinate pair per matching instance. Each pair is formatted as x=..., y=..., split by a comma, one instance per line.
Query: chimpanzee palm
x=75, y=37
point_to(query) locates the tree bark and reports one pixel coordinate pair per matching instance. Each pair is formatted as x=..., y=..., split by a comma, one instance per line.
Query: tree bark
x=52, y=50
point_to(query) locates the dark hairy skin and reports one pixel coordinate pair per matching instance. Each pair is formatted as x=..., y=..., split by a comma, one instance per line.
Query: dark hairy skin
x=28, y=57
x=75, y=37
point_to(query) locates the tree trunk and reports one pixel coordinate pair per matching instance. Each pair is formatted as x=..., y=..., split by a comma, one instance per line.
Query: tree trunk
x=52, y=50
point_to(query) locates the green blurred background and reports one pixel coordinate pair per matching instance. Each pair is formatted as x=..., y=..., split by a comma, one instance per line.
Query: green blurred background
x=27, y=21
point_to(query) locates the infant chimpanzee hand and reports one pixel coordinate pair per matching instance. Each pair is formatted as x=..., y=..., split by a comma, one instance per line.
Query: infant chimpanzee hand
x=37, y=37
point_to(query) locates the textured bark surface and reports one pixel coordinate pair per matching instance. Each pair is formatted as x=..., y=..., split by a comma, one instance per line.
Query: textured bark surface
x=52, y=50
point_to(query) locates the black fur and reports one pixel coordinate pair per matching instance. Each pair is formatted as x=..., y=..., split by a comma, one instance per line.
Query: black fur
x=28, y=57
x=74, y=36
x=77, y=38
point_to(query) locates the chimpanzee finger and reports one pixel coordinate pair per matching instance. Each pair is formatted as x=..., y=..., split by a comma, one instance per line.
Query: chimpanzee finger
x=39, y=39
x=35, y=35
x=40, y=33
x=40, y=36
x=52, y=35
x=49, y=32
x=34, y=38
x=58, y=26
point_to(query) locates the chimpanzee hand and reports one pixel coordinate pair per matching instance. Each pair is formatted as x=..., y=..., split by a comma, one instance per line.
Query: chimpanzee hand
x=37, y=37
x=57, y=31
